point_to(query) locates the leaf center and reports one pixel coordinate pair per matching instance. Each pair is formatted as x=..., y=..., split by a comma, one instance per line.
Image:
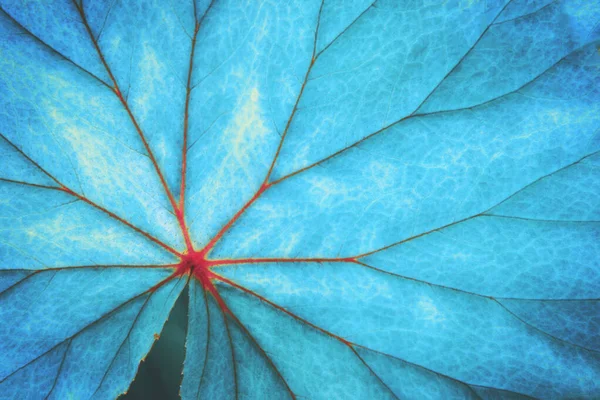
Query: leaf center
x=196, y=264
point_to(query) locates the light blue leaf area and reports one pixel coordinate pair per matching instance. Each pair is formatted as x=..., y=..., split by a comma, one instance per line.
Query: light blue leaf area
x=397, y=199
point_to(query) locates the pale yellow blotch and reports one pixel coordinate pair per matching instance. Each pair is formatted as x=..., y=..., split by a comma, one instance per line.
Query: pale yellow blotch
x=52, y=230
x=468, y=3
x=91, y=156
x=429, y=310
x=58, y=82
x=496, y=155
x=328, y=190
x=460, y=256
x=556, y=116
x=293, y=239
x=152, y=73
x=31, y=233
x=246, y=132
x=245, y=148
x=97, y=159
x=237, y=72
x=382, y=174
x=115, y=43
x=56, y=115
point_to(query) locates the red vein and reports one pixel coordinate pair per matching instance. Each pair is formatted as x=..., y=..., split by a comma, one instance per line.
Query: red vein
x=302, y=320
x=164, y=281
x=213, y=263
x=262, y=351
x=265, y=185
x=188, y=91
x=210, y=287
x=34, y=163
x=289, y=121
x=233, y=220
x=119, y=95
x=313, y=59
x=206, y=281
x=411, y=238
x=277, y=307
x=121, y=220
x=29, y=184
x=35, y=272
x=62, y=187
x=351, y=345
x=75, y=267
x=137, y=370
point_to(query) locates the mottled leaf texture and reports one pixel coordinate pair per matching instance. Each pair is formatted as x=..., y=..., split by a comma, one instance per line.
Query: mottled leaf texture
x=389, y=199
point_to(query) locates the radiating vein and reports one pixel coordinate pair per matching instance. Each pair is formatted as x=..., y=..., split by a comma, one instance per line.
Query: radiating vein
x=188, y=91
x=84, y=328
x=556, y=221
x=374, y=373
x=468, y=385
x=483, y=213
x=38, y=271
x=62, y=187
x=346, y=29
x=528, y=14
x=207, y=343
x=60, y=367
x=114, y=358
x=136, y=125
x=31, y=184
x=265, y=185
x=313, y=59
x=495, y=299
x=262, y=352
x=123, y=221
x=324, y=331
x=52, y=49
x=416, y=114
x=233, y=362
x=465, y=55
x=233, y=261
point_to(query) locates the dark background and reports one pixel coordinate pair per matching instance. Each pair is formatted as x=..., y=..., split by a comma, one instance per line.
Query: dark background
x=159, y=376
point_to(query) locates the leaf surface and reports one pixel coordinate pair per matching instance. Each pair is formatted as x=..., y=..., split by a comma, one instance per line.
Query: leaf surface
x=363, y=199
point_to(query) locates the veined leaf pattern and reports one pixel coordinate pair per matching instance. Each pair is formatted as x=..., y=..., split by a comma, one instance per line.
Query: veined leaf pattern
x=365, y=199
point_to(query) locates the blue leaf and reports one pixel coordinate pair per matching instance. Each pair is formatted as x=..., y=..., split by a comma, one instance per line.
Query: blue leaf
x=364, y=199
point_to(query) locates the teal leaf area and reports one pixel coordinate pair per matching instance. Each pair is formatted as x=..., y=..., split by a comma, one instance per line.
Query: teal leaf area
x=389, y=199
